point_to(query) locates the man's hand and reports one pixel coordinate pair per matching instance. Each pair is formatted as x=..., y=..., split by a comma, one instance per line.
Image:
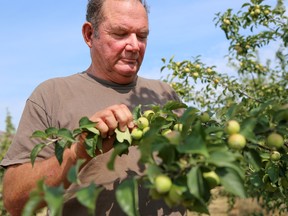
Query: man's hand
x=116, y=116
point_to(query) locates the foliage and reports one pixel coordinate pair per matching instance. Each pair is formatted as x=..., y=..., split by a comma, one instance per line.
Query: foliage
x=204, y=153
x=256, y=97
x=5, y=141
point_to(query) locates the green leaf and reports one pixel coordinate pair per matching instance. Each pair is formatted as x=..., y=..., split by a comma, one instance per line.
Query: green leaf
x=226, y=159
x=59, y=149
x=272, y=170
x=194, y=143
x=72, y=175
x=66, y=134
x=167, y=154
x=118, y=149
x=256, y=179
x=254, y=159
x=86, y=123
x=87, y=196
x=34, y=200
x=197, y=188
x=93, y=130
x=54, y=197
x=122, y=136
x=91, y=142
x=231, y=181
x=127, y=197
x=247, y=129
x=52, y=131
x=35, y=151
x=152, y=171
x=137, y=112
x=173, y=105
x=39, y=134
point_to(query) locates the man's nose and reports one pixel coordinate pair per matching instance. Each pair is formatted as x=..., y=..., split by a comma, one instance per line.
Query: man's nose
x=132, y=43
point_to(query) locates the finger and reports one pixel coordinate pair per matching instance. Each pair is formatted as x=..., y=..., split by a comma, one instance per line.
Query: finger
x=124, y=117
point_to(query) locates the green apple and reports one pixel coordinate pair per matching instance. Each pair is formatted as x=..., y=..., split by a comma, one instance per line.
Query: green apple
x=178, y=127
x=142, y=122
x=232, y=127
x=175, y=193
x=275, y=156
x=227, y=21
x=195, y=74
x=148, y=114
x=212, y=179
x=275, y=140
x=174, y=137
x=154, y=194
x=236, y=141
x=166, y=131
x=163, y=183
x=145, y=130
x=136, y=134
x=204, y=117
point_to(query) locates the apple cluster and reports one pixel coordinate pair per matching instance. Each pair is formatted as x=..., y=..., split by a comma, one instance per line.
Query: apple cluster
x=235, y=139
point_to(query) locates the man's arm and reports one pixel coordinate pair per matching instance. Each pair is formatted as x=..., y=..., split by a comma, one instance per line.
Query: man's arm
x=20, y=180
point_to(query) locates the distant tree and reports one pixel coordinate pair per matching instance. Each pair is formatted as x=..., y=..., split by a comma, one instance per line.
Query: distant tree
x=5, y=141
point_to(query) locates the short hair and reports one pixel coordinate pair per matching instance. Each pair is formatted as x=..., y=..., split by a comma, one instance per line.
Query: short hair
x=95, y=16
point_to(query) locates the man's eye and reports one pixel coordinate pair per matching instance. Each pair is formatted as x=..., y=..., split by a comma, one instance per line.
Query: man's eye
x=142, y=37
x=120, y=35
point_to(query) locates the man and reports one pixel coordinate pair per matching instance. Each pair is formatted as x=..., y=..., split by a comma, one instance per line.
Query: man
x=116, y=32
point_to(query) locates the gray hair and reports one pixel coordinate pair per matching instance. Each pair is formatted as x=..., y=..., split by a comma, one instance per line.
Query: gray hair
x=95, y=16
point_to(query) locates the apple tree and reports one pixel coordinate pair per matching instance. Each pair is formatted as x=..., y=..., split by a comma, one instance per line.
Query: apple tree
x=232, y=131
x=255, y=98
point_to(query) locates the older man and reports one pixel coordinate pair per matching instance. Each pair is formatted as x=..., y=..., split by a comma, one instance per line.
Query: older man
x=116, y=33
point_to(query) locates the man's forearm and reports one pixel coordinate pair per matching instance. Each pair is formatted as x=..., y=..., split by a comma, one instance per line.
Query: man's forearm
x=20, y=180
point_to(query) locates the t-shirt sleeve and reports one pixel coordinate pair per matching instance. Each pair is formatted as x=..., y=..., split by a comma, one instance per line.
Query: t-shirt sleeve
x=34, y=117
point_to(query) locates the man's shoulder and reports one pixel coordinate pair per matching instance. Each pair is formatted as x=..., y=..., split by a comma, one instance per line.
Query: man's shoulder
x=61, y=82
x=150, y=82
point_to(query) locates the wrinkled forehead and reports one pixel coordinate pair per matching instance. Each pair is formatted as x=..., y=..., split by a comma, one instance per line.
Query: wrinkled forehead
x=110, y=6
x=125, y=10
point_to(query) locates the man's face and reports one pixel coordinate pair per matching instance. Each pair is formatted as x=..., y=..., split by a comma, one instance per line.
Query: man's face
x=118, y=51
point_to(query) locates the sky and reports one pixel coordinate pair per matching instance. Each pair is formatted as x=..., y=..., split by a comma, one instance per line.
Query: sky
x=40, y=40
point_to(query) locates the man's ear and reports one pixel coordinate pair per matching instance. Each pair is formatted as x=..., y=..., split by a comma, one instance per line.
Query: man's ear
x=88, y=33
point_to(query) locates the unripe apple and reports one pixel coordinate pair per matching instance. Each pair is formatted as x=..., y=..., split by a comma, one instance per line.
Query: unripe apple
x=209, y=70
x=175, y=193
x=266, y=12
x=232, y=127
x=216, y=81
x=174, y=137
x=136, y=134
x=275, y=156
x=195, y=74
x=204, y=117
x=257, y=11
x=275, y=140
x=166, y=131
x=186, y=70
x=142, y=122
x=145, y=130
x=178, y=127
x=227, y=21
x=236, y=141
x=212, y=179
x=154, y=194
x=163, y=184
x=148, y=114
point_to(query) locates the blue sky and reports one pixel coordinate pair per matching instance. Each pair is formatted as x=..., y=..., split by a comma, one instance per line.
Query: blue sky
x=42, y=39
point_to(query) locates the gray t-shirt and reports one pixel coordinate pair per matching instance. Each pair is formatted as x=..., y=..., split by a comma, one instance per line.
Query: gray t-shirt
x=61, y=102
